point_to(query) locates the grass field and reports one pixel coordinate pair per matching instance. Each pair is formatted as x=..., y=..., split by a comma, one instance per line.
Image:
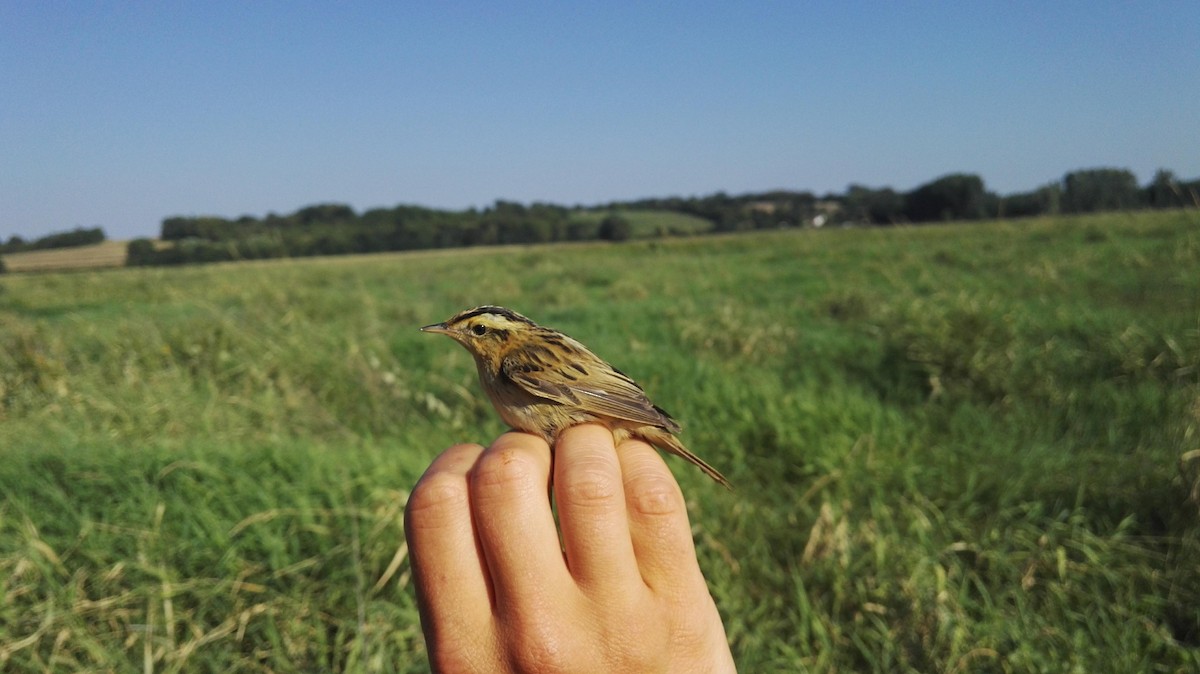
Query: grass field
x=649, y=223
x=962, y=448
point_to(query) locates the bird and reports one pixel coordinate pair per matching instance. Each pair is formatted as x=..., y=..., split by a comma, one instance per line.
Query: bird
x=541, y=382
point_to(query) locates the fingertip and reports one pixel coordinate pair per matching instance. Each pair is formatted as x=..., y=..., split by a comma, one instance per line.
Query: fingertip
x=586, y=471
x=442, y=488
x=593, y=435
x=456, y=458
x=514, y=464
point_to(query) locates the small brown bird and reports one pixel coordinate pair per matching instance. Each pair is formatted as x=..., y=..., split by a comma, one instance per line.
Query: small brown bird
x=542, y=381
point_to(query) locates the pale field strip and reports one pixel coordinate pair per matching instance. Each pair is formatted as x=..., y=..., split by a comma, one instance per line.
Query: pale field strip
x=97, y=256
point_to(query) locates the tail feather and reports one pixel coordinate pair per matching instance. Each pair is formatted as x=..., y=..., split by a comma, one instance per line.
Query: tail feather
x=669, y=443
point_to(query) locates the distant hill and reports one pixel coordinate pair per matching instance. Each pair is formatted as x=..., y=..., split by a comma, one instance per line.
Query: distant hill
x=646, y=223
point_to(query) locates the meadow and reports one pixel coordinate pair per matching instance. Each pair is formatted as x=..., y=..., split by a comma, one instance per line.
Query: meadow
x=644, y=223
x=957, y=448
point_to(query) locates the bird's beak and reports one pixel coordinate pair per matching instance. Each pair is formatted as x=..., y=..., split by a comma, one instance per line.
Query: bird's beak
x=439, y=328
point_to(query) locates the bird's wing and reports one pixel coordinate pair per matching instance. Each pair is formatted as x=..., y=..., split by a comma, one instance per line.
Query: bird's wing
x=595, y=387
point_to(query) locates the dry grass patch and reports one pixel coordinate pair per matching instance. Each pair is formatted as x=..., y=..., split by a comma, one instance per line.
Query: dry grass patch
x=98, y=256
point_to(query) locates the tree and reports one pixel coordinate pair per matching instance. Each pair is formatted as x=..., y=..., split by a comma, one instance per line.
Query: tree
x=582, y=229
x=1102, y=189
x=615, y=228
x=958, y=196
x=414, y=233
x=140, y=252
x=1164, y=191
x=208, y=227
x=15, y=244
x=877, y=206
x=325, y=214
x=722, y=210
x=77, y=237
x=1045, y=200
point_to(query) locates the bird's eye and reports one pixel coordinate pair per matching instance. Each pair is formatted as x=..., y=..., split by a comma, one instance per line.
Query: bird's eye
x=479, y=330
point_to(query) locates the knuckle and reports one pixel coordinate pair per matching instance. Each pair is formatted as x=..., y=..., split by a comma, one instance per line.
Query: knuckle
x=639, y=646
x=655, y=496
x=539, y=647
x=691, y=633
x=590, y=487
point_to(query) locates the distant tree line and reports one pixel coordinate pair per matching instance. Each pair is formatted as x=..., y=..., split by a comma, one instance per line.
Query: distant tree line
x=957, y=196
x=962, y=196
x=79, y=236
x=333, y=229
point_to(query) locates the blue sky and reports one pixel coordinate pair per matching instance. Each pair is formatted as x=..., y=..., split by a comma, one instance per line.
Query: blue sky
x=120, y=114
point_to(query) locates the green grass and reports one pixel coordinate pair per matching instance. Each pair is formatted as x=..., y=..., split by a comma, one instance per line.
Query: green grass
x=962, y=448
x=645, y=223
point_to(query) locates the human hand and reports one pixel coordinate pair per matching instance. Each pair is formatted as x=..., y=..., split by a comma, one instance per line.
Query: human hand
x=499, y=593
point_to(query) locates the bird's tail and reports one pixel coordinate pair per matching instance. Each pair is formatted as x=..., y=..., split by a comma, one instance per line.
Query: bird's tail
x=668, y=442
